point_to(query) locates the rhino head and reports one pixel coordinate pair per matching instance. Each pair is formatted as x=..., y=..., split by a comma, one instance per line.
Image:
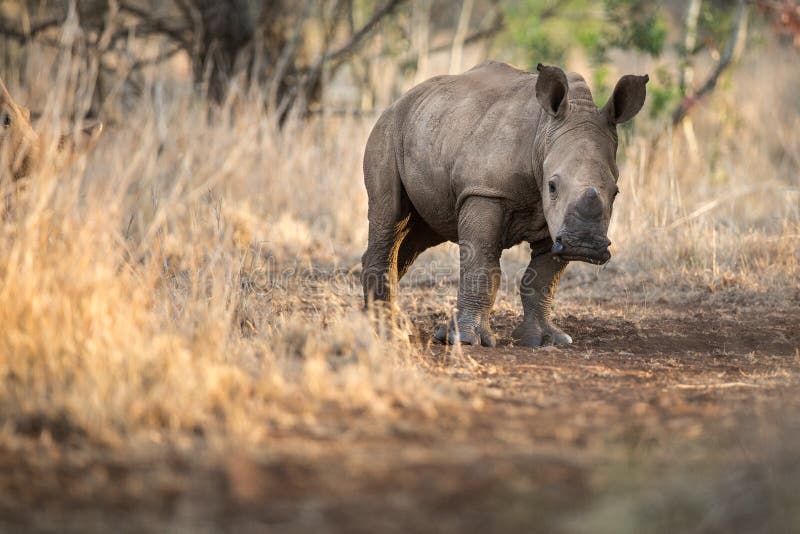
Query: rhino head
x=578, y=183
x=19, y=144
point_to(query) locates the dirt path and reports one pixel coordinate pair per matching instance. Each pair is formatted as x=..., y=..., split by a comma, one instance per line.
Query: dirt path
x=668, y=417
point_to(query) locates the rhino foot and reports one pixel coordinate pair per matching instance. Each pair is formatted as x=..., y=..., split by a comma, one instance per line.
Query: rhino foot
x=534, y=335
x=477, y=335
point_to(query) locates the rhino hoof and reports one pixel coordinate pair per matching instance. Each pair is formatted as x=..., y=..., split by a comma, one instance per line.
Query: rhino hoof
x=553, y=336
x=475, y=337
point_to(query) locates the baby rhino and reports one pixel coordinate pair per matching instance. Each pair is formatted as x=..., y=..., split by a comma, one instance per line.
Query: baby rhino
x=488, y=159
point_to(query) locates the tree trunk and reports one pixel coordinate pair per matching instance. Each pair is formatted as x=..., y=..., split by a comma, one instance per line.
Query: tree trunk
x=421, y=21
x=457, y=52
x=686, y=75
x=224, y=34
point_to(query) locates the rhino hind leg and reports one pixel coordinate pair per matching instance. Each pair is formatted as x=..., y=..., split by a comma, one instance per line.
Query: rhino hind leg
x=537, y=289
x=379, y=262
x=420, y=237
x=393, y=247
x=389, y=215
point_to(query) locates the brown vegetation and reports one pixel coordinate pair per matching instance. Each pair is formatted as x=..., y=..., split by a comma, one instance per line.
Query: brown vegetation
x=23, y=151
x=19, y=144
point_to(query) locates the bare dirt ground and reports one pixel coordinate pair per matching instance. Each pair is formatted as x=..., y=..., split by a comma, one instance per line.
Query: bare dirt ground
x=662, y=416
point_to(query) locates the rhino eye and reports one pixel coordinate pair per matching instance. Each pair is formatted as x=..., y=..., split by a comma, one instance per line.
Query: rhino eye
x=6, y=120
x=551, y=186
x=616, y=191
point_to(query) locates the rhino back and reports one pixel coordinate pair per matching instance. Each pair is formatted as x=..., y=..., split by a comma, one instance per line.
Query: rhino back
x=464, y=135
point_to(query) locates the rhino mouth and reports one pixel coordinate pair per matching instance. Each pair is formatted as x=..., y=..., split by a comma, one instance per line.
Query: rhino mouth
x=593, y=249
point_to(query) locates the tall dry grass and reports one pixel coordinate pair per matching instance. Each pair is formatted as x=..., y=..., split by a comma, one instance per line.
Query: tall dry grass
x=163, y=283
x=719, y=204
x=197, y=273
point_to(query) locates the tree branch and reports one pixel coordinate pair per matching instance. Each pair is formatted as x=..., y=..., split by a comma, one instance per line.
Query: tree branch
x=479, y=35
x=724, y=62
x=686, y=74
x=154, y=25
x=286, y=56
x=155, y=60
x=356, y=38
x=22, y=36
x=497, y=26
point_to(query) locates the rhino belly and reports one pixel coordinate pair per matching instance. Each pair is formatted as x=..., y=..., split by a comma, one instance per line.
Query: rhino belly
x=430, y=194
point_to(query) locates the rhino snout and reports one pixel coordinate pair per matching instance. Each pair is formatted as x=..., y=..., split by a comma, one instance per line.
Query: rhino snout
x=591, y=249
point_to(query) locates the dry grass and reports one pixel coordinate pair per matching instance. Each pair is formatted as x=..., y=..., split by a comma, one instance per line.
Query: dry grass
x=144, y=289
x=192, y=283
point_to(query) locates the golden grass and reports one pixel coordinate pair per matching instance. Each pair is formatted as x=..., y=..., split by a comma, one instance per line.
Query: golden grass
x=134, y=285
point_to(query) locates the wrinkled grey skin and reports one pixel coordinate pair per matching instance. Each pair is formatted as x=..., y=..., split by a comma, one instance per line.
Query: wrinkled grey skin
x=488, y=159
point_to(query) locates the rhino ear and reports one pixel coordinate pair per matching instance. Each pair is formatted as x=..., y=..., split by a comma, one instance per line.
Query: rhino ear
x=552, y=89
x=627, y=99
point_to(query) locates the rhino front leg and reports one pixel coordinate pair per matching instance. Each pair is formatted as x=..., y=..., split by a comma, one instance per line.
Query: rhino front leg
x=537, y=289
x=479, y=233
